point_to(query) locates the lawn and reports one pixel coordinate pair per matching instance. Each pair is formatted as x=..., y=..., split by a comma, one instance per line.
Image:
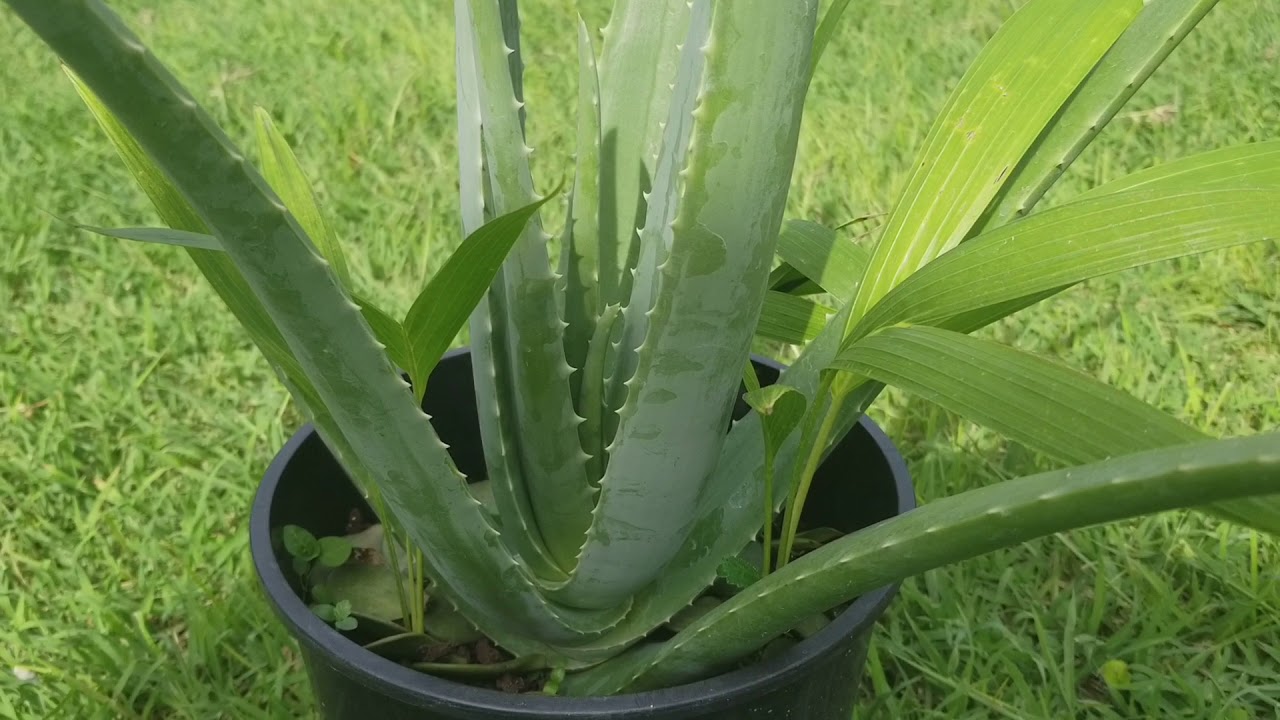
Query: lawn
x=135, y=418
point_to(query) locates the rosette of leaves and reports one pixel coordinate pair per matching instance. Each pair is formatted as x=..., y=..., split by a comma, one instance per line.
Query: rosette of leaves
x=605, y=379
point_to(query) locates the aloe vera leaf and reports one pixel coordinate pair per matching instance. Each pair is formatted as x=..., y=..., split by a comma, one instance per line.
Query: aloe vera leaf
x=553, y=462
x=732, y=505
x=1010, y=93
x=579, y=263
x=301, y=296
x=639, y=57
x=1068, y=244
x=717, y=252
x=1155, y=32
x=499, y=431
x=1040, y=403
x=943, y=532
x=592, y=400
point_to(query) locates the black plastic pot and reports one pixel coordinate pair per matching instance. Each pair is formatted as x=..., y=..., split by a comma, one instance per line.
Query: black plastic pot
x=863, y=481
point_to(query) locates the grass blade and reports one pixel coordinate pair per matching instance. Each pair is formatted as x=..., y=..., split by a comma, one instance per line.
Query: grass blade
x=1046, y=406
x=943, y=532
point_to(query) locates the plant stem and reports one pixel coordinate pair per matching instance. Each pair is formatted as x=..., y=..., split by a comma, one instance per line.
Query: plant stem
x=417, y=588
x=389, y=541
x=523, y=664
x=817, y=444
x=765, y=566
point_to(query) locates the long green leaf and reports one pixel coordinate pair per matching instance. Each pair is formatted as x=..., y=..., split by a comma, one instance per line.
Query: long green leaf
x=281, y=169
x=638, y=61
x=490, y=354
x=525, y=310
x=1074, y=242
x=732, y=505
x=1037, y=402
x=1143, y=47
x=786, y=279
x=712, y=264
x=161, y=236
x=791, y=319
x=358, y=387
x=579, y=260
x=443, y=306
x=821, y=255
x=826, y=30
x=943, y=532
x=1248, y=165
x=390, y=332
x=1009, y=95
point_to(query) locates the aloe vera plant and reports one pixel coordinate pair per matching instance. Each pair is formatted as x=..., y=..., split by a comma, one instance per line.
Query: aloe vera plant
x=606, y=378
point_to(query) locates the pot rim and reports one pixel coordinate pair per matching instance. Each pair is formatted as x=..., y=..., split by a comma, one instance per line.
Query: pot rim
x=429, y=691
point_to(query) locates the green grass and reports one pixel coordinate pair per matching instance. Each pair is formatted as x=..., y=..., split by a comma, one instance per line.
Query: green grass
x=136, y=418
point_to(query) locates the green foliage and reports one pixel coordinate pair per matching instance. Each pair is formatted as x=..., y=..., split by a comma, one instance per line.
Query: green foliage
x=337, y=614
x=588, y=380
x=300, y=543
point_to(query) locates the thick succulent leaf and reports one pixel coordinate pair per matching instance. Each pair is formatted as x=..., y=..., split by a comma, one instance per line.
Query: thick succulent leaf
x=1008, y=96
x=946, y=531
x=714, y=261
x=820, y=254
x=282, y=171
x=1040, y=403
x=525, y=312
x=161, y=236
x=498, y=430
x=638, y=61
x=579, y=261
x=791, y=319
x=358, y=388
x=1157, y=30
x=443, y=306
x=1074, y=242
x=592, y=403
x=732, y=505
